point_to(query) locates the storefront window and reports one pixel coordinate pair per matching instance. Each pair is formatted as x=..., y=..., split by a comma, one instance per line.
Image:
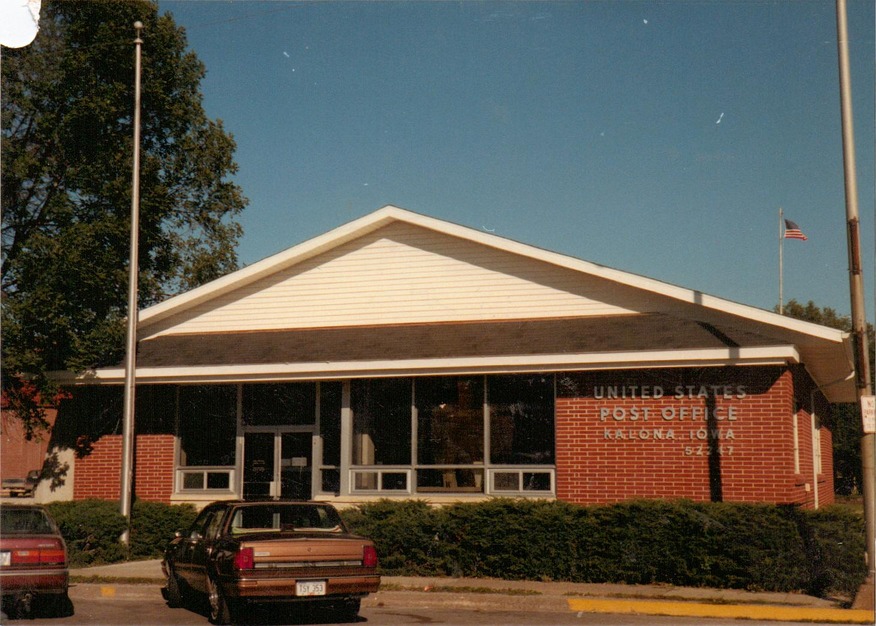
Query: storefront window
x=382, y=421
x=451, y=439
x=207, y=425
x=280, y=404
x=521, y=420
x=156, y=409
x=330, y=432
x=450, y=433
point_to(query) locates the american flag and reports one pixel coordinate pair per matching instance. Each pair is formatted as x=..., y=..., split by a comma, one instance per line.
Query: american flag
x=792, y=231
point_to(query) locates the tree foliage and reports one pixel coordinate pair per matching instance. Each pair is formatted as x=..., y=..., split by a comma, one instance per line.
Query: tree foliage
x=67, y=131
x=847, y=428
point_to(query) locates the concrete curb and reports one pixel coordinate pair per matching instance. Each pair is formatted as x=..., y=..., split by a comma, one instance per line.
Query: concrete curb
x=730, y=611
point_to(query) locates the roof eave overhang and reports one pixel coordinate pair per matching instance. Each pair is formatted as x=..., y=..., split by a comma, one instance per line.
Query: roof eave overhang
x=723, y=357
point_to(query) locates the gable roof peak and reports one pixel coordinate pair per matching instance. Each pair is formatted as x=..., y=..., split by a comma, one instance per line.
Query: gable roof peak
x=389, y=213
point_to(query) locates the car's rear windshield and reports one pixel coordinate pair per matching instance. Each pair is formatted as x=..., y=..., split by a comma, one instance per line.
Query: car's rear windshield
x=298, y=517
x=25, y=522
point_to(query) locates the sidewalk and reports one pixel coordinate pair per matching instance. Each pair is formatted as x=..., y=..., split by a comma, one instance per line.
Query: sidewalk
x=425, y=592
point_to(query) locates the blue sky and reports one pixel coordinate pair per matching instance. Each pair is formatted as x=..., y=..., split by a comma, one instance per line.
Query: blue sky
x=656, y=137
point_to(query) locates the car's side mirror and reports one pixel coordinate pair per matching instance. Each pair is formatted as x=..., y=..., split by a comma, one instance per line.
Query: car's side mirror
x=195, y=536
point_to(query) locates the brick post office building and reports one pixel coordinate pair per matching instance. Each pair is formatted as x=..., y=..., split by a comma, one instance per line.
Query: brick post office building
x=400, y=356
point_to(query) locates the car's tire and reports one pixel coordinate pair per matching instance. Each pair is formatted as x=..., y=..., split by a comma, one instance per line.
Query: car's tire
x=348, y=610
x=172, y=591
x=220, y=606
x=61, y=606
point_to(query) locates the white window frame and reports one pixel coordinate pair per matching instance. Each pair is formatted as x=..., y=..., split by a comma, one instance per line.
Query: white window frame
x=520, y=470
x=379, y=471
x=181, y=472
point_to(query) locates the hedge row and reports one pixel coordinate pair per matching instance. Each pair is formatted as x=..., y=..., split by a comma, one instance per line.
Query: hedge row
x=92, y=529
x=723, y=545
x=755, y=547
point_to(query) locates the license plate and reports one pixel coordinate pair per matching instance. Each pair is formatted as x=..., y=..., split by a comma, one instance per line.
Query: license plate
x=5, y=558
x=310, y=588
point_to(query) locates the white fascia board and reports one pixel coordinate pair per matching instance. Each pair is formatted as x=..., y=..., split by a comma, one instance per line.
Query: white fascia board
x=770, y=355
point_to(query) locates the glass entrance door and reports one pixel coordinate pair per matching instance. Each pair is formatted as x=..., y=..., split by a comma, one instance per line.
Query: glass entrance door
x=296, y=468
x=258, y=465
x=277, y=464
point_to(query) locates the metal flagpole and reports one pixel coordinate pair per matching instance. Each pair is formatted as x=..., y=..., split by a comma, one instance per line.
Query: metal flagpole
x=856, y=289
x=781, y=246
x=127, y=478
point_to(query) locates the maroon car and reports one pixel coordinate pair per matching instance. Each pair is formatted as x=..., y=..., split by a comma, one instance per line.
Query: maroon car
x=33, y=562
x=238, y=553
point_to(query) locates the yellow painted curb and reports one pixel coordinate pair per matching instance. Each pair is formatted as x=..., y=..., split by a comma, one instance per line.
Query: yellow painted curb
x=696, y=609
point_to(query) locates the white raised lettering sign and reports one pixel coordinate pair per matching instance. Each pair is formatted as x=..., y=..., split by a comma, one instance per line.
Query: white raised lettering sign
x=709, y=426
x=868, y=413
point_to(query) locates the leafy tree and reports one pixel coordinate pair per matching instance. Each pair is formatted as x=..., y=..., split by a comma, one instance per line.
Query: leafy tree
x=67, y=113
x=847, y=430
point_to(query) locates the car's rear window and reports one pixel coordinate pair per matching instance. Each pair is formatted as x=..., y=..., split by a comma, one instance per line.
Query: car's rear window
x=299, y=517
x=25, y=522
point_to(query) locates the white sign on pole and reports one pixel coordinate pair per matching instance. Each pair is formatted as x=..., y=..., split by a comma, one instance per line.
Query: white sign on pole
x=868, y=413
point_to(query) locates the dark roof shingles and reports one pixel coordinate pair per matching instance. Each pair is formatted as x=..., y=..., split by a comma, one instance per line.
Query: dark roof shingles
x=626, y=333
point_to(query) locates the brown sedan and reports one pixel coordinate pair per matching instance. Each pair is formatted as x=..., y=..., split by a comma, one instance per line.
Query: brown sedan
x=270, y=551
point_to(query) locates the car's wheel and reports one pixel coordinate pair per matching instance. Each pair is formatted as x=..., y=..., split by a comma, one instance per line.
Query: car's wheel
x=220, y=607
x=172, y=591
x=61, y=606
x=348, y=610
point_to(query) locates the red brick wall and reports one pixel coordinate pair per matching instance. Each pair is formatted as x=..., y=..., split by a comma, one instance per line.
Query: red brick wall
x=17, y=455
x=809, y=403
x=98, y=474
x=645, y=434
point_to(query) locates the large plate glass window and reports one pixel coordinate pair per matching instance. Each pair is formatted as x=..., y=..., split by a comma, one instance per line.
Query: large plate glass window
x=207, y=436
x=450, y=433
x=521, y=420
x=381, y=429
x=279, y=404
x=330, y=397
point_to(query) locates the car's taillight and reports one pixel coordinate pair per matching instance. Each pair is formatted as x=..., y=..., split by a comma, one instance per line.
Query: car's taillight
x=25, y=557
x=53, y=554
x=369, y=557
x=244, y=559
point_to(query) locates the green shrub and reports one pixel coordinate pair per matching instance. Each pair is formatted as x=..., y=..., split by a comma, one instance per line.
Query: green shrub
x=91, y=529
x=835, y=549
x=153, y=525
x=512, y=539
x=405, y=534
x=724, y=545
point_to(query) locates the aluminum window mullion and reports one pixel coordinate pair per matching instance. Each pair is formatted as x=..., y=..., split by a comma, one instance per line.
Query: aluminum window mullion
x=415, y=438
x=487, y=459
x=346, y=438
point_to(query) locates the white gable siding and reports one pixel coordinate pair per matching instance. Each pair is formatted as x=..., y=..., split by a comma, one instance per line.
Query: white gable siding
x=401, y=274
